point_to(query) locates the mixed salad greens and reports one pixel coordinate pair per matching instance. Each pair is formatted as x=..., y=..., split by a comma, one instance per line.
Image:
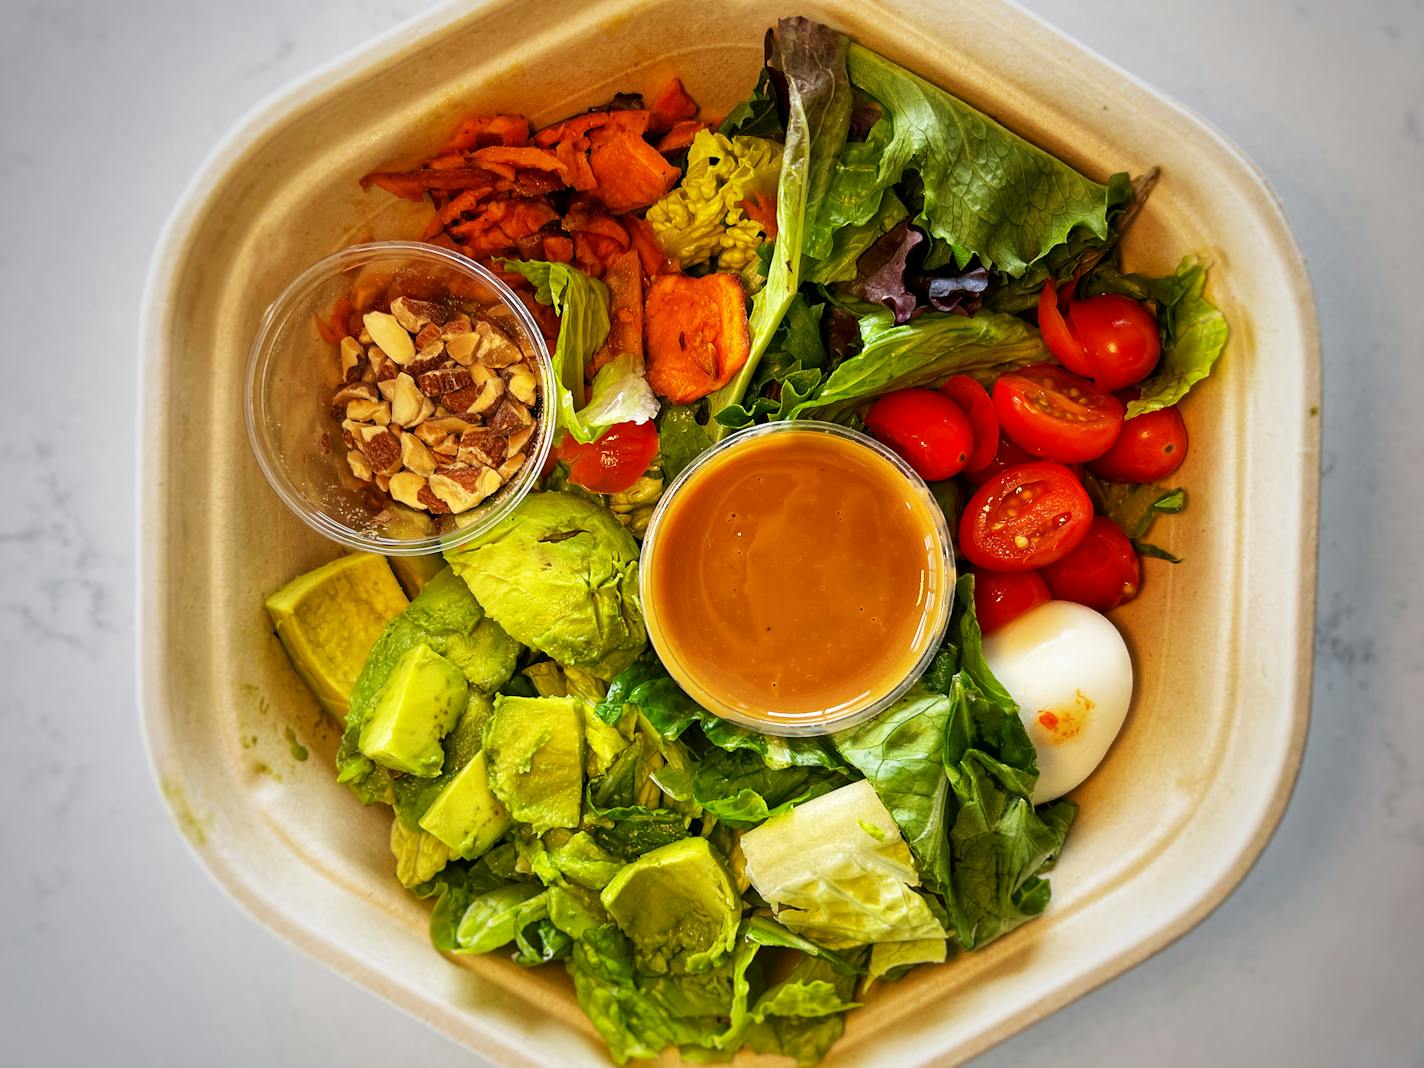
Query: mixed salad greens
x=840, y=245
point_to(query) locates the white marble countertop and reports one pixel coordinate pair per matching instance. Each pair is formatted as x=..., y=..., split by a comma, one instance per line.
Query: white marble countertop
x=116, y=949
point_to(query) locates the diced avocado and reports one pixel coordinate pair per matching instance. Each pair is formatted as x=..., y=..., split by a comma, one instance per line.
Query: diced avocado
x=415, y=572
x=466, y=816
x=447, y=618
x=677, y=905
x=329, y=618
x=560, y=575
x=535, y=751
x=422, y=699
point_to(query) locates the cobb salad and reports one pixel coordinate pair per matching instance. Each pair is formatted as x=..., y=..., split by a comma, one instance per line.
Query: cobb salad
x=852, y=245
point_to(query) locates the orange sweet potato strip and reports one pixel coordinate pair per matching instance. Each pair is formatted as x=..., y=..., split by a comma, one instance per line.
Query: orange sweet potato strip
x=671, y=106
x=488, y=130
x=508, y=161
x=696, y=334
x=412, y=185
x=624, y=278
x=629, y=121
x=681, y=135
x=650, y=252
x=630, y=173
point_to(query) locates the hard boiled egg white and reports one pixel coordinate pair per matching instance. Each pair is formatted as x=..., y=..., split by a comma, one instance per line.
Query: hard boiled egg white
x=1069, y=670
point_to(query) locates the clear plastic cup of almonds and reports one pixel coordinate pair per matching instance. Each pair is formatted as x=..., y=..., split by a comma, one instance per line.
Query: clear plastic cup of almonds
x=396, y=398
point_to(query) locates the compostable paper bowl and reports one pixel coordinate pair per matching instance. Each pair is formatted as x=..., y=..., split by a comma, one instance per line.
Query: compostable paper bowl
x=1201, y=773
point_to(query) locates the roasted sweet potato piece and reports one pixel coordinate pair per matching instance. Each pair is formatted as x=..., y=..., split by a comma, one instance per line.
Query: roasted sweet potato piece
x=624, y=279
x=501, y=224
x=671, y=106
x=630, y=173
x=573, y=154
x=508, y=162
x=485, y=130
x=629, y=121
x=412, y=185
x=680, y=135
x=697, y=334
x=558, y=249
x=650, y=252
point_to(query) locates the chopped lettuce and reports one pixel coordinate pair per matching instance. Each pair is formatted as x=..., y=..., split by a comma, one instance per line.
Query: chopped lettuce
x=620, y=393
x=703, y=218
x=836, y=870
x=1193, y=329
x=811, y=58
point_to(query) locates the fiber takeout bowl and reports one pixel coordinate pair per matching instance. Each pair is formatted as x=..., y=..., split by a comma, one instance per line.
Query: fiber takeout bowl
x=1201, y=772
x=292, y=373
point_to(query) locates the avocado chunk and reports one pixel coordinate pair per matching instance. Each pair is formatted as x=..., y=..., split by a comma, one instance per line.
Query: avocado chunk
x=678, y=907
x=328, y=619
x=447, y=618
x=422, y=699
x=560, y=575
x=535, y=751
x=466, y=815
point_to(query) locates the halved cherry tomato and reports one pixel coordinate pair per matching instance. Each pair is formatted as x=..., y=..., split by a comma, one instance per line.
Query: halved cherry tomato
x=1119, y=336
x=1150, y=447
x=1007, y=455
x=1102, y=571
x=1024, y=518
x=1002, y=596
x=1057, y=335
x=973, y=400
x=1056, y=415
x=615, y=461
x=927, y=430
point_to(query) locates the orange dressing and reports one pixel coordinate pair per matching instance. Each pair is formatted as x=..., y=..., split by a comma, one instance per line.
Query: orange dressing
x=796, y=576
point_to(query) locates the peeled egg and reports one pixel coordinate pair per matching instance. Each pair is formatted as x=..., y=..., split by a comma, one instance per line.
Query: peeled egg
x=1069, y=670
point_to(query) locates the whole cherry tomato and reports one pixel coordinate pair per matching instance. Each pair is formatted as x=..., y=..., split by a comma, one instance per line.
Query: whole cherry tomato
x=1150, y=448
x=973, y=400
x=1110, y=338
x=1102, y=571
x=1024, y=518
x=926, y=429
x=614, y=461
x=1002, y=596
x=1056, y=415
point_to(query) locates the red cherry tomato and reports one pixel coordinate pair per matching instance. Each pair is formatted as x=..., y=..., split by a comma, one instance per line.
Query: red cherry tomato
x=1119, y=336
x=1102, y=570
x=1006, y=456
x=1109, y=338
x=973, y=400
x=926, y=428
x=1024, y=518
x=615, y=461
x=1150, y=447
x=1056, y=415
x=1057, y=335
x=1002, y=596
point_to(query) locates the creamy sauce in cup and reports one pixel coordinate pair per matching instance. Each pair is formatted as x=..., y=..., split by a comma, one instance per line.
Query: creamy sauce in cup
x=796, y=578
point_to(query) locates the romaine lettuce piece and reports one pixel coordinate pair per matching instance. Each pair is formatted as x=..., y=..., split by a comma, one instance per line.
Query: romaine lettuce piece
x=836, y=870
x=703, y=217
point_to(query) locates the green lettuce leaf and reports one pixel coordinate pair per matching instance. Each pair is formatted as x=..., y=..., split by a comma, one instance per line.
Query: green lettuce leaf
x=901, y=752
x=812, y=59
x=740, y=790
x=756, y=116
x=849, y=243
x=1194, y=331
x=803, y=1014
x=1135, y=507
x=681, y=439
x=925, y=351
x=988, y=193
x=791, y=371
x=620, y=393
x=419, y=856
